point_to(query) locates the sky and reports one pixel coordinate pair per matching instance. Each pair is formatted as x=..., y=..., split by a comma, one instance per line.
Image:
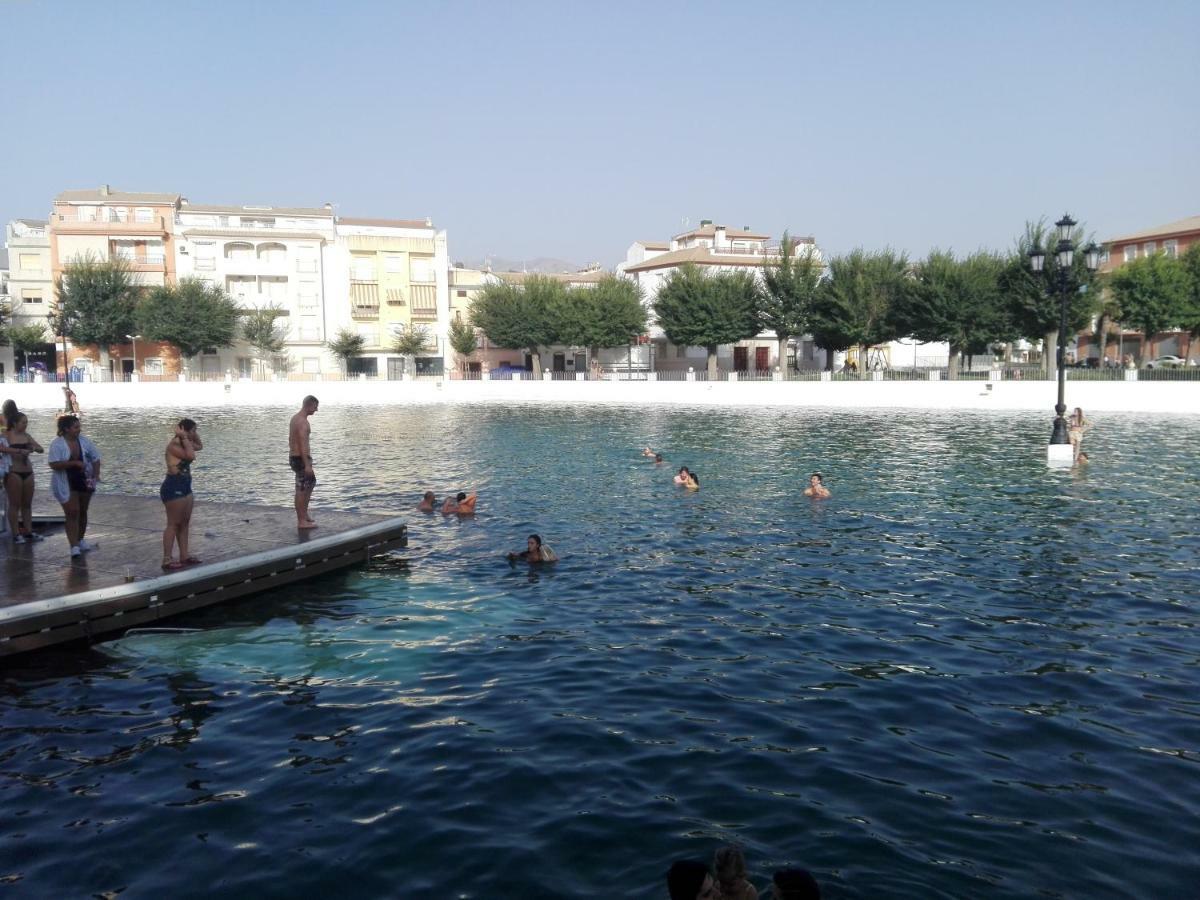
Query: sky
x=571, y=129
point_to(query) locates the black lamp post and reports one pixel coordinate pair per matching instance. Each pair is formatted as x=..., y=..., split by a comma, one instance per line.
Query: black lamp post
x=1064, y=256
x=55, y=322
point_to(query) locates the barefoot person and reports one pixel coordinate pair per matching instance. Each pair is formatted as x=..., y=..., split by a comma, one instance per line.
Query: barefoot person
x=18, y=482
x=300, y=460
x=76, y=464
x=176, y=494
x=816, y=487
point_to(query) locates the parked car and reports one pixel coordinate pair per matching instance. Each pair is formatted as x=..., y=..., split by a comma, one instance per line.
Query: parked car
x=1166, y=361
x=504, y=370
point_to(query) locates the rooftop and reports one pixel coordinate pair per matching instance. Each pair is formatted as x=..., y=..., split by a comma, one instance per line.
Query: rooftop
x=589, y=276
x=322, y=211
x=710, y=230
x=701, y=256
x=1192, y=223
x=386, y=223
x=105, y=194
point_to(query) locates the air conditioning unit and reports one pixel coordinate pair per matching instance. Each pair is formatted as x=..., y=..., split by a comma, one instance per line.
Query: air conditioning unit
x=183, y=250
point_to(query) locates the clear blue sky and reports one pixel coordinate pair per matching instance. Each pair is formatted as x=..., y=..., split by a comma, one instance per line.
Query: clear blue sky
x=570, y=129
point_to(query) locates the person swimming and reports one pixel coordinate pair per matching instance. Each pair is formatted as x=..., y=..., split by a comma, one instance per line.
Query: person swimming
x=535, y=552
x=693, y=481
x=427, y=502
x=681, y=476
x=816, y=487
x=462, y=504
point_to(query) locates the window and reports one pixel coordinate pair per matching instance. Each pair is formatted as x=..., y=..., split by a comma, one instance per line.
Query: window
x=307, y=293
x=245, y=367
x=311, y=365
x=124, y=250
x=306, y=264
x=369, y=334
x=1149, y=248
x=393, y=263
x=1171, y=248
x=421, y=269
x=143, y=214
x=152, y=365
x=272, y=253
x=1131, y=253
x=460, y=293
x=239, y=251
x=362, y=268
x=118, y=214
x=85, y=213
x=29, y=263
x=31, y=296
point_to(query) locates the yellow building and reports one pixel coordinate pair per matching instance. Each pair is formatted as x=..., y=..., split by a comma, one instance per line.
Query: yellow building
x=395, y=280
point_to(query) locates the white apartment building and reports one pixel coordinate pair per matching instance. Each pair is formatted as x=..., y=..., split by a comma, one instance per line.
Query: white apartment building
x=30, y=282
x=716, y=248
x=265, y=257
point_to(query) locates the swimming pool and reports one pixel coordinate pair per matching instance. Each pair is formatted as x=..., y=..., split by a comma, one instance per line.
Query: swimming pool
x=962, y=675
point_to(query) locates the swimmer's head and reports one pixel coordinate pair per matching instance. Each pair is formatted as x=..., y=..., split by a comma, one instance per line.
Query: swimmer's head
x=461, y=495
x=658, y=457
x=683, y=470
x=816, y=478
x=534, y=543
x=429, y=495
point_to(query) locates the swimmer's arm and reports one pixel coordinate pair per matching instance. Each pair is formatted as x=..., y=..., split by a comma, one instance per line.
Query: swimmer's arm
x=197, y=444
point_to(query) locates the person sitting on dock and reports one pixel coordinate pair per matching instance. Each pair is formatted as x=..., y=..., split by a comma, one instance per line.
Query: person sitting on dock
x=176, y=494
x=816, y=487
x=76, y=464
x=427, y=502
x=535, y=552
x=301, y=462
x=462, y=504
x=18, y=481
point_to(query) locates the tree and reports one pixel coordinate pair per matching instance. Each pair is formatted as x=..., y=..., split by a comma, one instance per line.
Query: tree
x=860, y=301
x=462, y=339
x=411, y=341
x=192, y=315
x=610, y=314
x=1152, y=294
x=518, y=317
x=264, y=335
x=1034, y=300
x=1190, y=320
x=25, y=338
x=696, y=309
x=790, y=286
x=346, y=346
x=956, y=301
x=97, y=302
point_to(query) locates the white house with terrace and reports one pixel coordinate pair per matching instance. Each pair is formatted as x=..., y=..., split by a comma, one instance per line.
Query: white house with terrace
x=264, y=257
x=714, y=248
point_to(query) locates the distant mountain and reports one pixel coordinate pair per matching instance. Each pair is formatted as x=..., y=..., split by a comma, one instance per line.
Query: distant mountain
x=544, y=264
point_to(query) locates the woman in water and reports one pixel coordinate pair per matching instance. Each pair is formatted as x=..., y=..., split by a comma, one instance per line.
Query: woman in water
x=18, y=480
x=1076, y=426
x=535, y=552
x=176, y=494
x=681, y=477
x=76, y=464
x=692, y=483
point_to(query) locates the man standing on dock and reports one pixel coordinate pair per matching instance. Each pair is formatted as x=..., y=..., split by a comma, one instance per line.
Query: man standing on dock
x=300, y=459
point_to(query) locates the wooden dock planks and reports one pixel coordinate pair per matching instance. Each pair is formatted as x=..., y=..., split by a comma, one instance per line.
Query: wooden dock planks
x=48, y=597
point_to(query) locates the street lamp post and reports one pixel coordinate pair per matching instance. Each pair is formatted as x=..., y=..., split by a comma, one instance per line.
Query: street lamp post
x=133, y=339
x=54, y=323
x=1064, y=257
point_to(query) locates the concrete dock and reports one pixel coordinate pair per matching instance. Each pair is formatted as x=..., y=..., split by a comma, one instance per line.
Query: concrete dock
x=48, y=597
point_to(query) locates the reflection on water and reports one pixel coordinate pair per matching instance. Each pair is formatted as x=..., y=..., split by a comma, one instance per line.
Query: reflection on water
x=962, y=675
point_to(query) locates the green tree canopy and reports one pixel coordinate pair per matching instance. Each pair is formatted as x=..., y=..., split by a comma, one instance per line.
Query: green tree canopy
x=346, y=345
x=26, y=337
x=607, y=315
x=1190, y=320
x=192, y=315
x=1152, y=294
x=698, y=309
x=790, y=285
x=263, y=333
x=861, y=300
x=411, y=341
x=957, y=301
x=518, y=317
x=97, y=302
x=463, y=340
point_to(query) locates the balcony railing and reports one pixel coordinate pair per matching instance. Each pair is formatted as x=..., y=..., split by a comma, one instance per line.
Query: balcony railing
x=101, y=224
x=308, y=335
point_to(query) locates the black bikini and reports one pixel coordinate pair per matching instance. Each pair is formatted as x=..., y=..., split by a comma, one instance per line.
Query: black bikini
x=22, y=475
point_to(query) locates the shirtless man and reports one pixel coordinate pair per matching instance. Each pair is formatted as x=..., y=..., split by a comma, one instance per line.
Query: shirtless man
x=426, y=504
x=816, y=487
x=300, y=460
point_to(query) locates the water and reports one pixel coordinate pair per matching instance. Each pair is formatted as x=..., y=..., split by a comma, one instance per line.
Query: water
x=960, y=676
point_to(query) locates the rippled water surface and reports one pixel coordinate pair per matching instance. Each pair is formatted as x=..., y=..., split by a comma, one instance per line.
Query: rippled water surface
x=962, y=675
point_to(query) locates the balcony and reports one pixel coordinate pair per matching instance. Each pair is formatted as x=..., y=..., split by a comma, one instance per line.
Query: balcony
x=364, y=300
x=307, y=336
x=73, y=224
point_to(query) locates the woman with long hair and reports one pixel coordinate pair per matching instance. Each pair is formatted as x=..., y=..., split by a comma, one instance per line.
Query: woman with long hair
x=1076, y=426
x=75, y=461
x=176, y=494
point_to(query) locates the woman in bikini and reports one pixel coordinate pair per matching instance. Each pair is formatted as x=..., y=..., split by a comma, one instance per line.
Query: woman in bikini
x=176, y=494
x=1076, y=426
x=18, y=481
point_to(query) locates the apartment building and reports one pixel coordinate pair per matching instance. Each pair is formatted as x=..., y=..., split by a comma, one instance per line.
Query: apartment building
x=265, y=257
x=1171, y=239
x=716, y=248
x=105, y=224
x=29, y=285
x=393, y=274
